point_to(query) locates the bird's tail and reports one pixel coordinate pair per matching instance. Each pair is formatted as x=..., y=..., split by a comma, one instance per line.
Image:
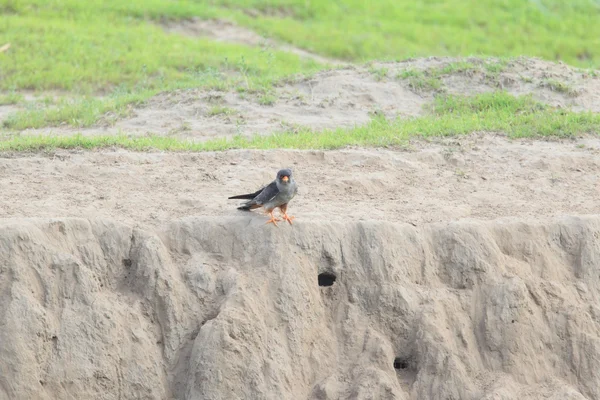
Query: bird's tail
x=249, y=205
x=248, y=196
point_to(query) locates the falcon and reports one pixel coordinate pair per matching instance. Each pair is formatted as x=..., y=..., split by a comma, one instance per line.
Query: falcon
x=276, y=194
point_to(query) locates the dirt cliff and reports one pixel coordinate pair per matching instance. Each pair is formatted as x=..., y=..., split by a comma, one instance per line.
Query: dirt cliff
x=228, y=308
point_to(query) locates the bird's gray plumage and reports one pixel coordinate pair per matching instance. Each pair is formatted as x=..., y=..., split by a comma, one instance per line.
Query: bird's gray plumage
x=275, y=194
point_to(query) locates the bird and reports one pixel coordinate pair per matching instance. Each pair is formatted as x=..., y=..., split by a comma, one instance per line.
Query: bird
x=276, y=194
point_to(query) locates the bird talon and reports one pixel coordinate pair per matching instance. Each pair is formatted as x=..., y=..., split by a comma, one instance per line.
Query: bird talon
x=273, y=220
x=288, y=218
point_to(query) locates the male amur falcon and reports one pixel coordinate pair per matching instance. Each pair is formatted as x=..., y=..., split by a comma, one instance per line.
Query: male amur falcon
x=276, y=194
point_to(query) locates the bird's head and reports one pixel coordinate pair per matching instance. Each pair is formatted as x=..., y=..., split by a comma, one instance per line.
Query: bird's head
x=284, y=176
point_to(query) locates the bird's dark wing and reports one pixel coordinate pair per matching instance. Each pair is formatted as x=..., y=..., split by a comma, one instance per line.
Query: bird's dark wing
x=248, y=196
x=267, y=193
x=256, y=200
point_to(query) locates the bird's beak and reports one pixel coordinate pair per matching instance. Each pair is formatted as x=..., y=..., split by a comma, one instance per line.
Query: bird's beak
x=285, y=178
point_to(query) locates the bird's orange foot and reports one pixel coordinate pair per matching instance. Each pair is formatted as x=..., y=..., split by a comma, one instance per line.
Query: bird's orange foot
x=273, y=220
x=288, y=218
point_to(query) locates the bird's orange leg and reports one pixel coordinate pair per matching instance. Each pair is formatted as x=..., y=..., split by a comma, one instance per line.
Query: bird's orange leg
x=273, y=220
x=286, y=217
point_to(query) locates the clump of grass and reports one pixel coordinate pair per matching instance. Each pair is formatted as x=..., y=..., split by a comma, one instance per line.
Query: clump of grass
x=495, y=67
x=267, y=99
x=431, y=79
x=220, y=110
x=496, y=102
x=502, y=112
x=420, y=81
x=559, y=86
x=379, y=73
x=448, y=116
x=456, y=67
x=526, y=79
x=487, y=67
x=10, y=98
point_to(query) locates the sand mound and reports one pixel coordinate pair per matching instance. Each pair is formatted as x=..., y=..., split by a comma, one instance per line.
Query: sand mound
x=232, y=309
x=347, y=97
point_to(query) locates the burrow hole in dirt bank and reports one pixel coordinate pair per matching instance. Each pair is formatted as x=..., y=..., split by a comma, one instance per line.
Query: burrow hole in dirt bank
x=401, y=363
x=326, y=279
x=406, y=370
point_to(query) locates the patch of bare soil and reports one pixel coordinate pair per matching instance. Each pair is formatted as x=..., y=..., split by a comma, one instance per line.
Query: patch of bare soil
x=6, y=110
x=479, y=177
x=556, y=84
x=334, y=99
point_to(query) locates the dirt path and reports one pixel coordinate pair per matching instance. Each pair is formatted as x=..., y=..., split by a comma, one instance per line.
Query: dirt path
x=477, y=177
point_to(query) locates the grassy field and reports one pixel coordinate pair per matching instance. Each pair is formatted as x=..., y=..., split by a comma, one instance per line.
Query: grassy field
x=83, y=49
x=387, y=29
x=92, y=45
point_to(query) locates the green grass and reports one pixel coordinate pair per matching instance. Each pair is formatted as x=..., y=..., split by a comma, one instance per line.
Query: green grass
x=487, y=67
x=81, y=112
x=110, y=47
x=500, y=112
x=220, y=110
x=391, y=29
x=421, y=80
x=559, y=86
x=85, y=111
x=10, y=98
x=91, y=45
x=379, y=73
x=431, y=79
x=267, y=99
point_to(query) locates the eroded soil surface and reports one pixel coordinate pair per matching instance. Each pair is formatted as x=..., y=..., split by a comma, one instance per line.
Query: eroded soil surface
x=482, y=177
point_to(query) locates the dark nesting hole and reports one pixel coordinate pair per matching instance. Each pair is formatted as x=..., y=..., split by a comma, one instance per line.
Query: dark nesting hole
x=326, y=279
x=127, y=262
x=401, y=363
